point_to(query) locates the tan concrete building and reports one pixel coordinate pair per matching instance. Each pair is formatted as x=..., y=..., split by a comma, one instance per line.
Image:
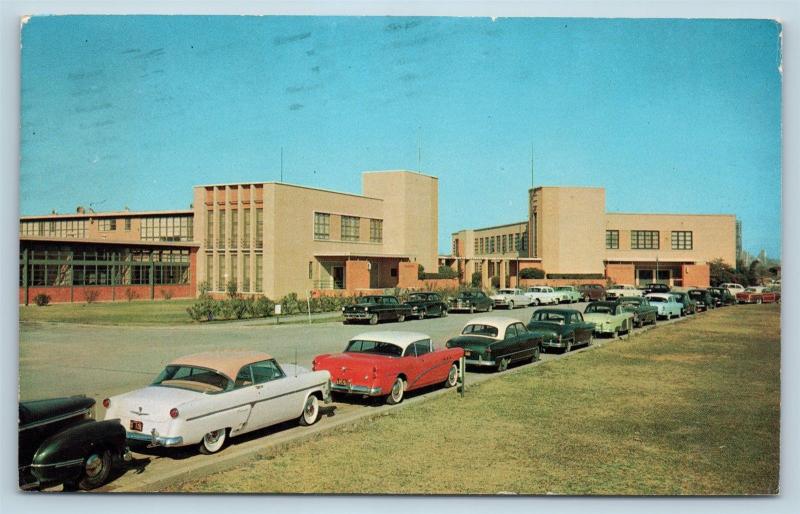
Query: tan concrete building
x=273, y=238
x=569, y=235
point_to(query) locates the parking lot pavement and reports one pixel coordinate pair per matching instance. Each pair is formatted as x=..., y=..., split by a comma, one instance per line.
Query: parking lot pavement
x=100, y=361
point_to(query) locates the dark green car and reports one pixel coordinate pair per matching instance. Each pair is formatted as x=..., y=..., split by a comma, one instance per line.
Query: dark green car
x=643, y=312
x=495, y=342
x=561, y=328
x=471, y=301
x=426, y=304
x=689, y=305
x=375, y=308
x=703, y=299
x=722, y=296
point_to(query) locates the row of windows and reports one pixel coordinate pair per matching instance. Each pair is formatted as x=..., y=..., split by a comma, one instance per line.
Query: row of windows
x=67, y=254
x=104, y=273
x=502, y=243
x=350, y=228
x=649, y=240
x=233, y=241
x=167, y=228
x=63, y=228
x=220, y=281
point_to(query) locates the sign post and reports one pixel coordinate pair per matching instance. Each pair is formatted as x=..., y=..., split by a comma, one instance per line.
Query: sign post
x=277, y=313
x=462, y=375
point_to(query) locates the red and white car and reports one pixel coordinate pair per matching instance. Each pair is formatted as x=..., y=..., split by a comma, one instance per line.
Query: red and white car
x=758, y=295
x=389, y=364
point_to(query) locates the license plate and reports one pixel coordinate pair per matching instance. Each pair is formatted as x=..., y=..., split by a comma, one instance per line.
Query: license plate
x=467, y=353
x=342, y=382
x=136, y=425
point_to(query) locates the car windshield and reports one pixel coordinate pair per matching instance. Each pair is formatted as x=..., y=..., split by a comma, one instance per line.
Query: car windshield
x=751, y=290
x=193, y=378
x=656, y=299
x=599, y=309
x=377, y=347
x=478, y=329
x=366, y=299
x=553, y=317
x=507, y=291
x=466, y=296
x=562, y=288
x=417, y=298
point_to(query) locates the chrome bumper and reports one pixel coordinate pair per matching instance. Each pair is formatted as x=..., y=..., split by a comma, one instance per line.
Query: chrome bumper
x=554, y=343
x=471, y=362
x=356, y=315
x=154, y=439
x=356, y=389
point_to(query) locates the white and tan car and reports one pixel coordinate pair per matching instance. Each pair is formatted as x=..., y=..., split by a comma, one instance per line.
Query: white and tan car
x=620, y=290
x=510, y=298
x=543, y=295
x=207, y=397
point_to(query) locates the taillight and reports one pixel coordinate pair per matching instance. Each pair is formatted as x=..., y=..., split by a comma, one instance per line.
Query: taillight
x=314, y=365
x=173, y=413
x=374, y=371
x=106, y=403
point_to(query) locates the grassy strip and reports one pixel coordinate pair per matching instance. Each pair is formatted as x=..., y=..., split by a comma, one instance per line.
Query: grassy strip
x=159, y=312
x=690, y=409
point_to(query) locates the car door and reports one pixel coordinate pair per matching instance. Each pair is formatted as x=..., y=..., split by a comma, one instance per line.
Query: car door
x=527, y=343
x=415, y=366
x=277, y=396
x=581, y=328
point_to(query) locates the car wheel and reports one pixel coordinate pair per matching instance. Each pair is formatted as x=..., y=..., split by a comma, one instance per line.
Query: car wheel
x=396, y=394
x=213, y=441
x=568, y=348
x=490, y=308
x=615, y=335
x=452, y=376
x=472, y=309
x=421, y=315
x=503, y=364
x=538, y=302
x=444, y=313
x=511, y=306
x=401, y=318
x=310, y=411
x=96, y=468
x=536, y=354
x=758, y=301
x=590, y=341
x=373, y=320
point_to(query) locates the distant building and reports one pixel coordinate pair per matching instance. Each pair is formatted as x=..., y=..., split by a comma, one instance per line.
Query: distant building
x=570, y=236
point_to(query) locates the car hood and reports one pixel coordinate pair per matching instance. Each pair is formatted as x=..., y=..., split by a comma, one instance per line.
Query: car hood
x=155, y=402
x=359, y=306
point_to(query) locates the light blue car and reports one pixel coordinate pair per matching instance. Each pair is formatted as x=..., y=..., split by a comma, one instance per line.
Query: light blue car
x=667, y=305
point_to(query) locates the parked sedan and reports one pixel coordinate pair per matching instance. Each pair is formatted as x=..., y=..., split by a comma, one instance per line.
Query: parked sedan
x=510, y=298
x=61, y=443
x=620, y=290
x=426, y=304
x=758, y=295
x=689, y=305
x=592, y=292
x=496, y=342
x=609, y=318
x=643, y=312
x=471, y=301
x=703, y=299
x=389, y=364
x=205, y=398
x=656, y=287
x=540, y=295
x=667, y=305
x=722, y=297
x=568, y=294
x=561, y=328
x=375, y=308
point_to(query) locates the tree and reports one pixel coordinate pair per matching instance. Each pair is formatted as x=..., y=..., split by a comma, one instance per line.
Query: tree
x=720, y=272
x=476, y=279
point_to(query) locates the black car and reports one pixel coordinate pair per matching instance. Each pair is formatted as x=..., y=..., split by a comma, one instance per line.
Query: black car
x=657, y=288
x=722, y=296
x=375, y=308
x=426, y=304
x=703, y=299
x=61, y=443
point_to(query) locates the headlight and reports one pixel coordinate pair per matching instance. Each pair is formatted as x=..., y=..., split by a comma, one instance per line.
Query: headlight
x=366, y=309
x=414, y=308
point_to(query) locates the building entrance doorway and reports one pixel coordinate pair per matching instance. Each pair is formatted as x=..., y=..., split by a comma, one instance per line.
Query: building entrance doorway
x=337, y=272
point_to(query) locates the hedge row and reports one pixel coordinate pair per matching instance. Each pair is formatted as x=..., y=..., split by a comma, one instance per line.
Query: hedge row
x=208, y=309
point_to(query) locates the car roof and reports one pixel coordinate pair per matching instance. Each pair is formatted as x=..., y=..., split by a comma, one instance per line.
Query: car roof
x=659, y=295
x=495, y=321
x=560, y=311
x=399, y=338
x=227, y=362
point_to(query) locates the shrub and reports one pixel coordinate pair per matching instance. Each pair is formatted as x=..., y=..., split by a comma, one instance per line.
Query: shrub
x=232, y=289
x=476, y=279
x=130, y=294
x=42, y=299
x=204, y=287
x=91, y=295
x=572, y=276
x=204, y=309
x=237, y=307
x=290, y=304
x=420, y=271
x=444, y=272
x=531, y=273
x=263, y=307
x=166, y=294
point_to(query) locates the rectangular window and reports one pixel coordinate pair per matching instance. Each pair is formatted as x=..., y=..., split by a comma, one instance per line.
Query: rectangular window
x=491, y=245
x=246, y=229
x=259, y=273
x=475, y=249
x=171, y=228
x=107, y=225
x=612, y=239
x=454, y=248
x=524, y=244
x=127, y=224
x=682, y=240
x=246, y=272
x=504, y=243
x=350, y=228
x=481, y=246
x=259, y=227
x=644, y=240
x=322, y=226
x=209, y=229
x=234, y=228
x=376, y=231
x=210, y=270
x=221, y=280
x=234, y=268
x=221, y=229
x=310, y=269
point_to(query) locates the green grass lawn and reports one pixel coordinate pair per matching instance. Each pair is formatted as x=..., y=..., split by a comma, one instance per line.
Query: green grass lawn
x=113, y=313
x=689, y=409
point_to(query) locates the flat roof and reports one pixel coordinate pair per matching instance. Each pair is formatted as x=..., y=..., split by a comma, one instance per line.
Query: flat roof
x=106, y=214
x=493, y=227
x=285, y=184
x=663, y=214
x=357, y=254
x=47, y=239
x=410, y=172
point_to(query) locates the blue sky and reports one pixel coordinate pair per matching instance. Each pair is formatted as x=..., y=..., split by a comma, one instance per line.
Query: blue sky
x=667, y=115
